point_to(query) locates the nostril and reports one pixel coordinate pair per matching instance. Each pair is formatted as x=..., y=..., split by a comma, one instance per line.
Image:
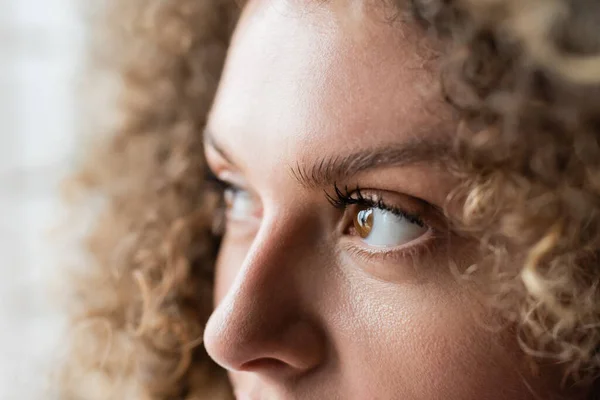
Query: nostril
x=264, y=364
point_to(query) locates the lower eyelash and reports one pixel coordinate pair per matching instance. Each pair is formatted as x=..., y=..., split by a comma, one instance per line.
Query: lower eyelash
x=413, y=253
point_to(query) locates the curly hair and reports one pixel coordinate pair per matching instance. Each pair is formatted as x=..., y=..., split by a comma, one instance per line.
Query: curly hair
x=524, y=76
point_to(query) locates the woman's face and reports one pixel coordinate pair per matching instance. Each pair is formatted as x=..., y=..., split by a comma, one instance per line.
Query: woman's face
x=334, y=278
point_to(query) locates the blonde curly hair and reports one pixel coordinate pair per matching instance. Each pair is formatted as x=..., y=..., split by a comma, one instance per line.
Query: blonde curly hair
x=524, y=76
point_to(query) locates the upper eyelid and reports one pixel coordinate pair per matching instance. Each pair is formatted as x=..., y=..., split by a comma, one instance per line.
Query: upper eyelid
x=219, y=164
x=363, y=196
x=211, y=143
x=226, y=171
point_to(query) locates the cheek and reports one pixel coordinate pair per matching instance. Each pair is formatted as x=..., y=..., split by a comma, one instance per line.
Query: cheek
x=418, y=342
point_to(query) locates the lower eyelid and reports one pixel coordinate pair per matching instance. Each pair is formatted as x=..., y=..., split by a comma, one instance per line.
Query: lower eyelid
x=425, y=244
x=409, y=265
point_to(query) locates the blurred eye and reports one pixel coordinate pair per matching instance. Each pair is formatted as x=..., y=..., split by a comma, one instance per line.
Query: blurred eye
x=240, y=204
x=378, y=227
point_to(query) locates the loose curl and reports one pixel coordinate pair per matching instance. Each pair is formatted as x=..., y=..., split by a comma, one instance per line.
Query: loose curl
x=524, y=76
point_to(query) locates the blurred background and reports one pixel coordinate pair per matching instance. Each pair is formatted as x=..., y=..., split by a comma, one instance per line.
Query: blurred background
x=40, y=55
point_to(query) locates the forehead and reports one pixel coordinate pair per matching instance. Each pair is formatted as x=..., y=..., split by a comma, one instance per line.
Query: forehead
x=302, y=81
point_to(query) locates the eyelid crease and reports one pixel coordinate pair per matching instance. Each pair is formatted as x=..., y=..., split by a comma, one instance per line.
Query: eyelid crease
x=210, y=142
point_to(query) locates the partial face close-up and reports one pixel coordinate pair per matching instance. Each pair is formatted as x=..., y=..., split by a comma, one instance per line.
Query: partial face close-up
x=334, y=279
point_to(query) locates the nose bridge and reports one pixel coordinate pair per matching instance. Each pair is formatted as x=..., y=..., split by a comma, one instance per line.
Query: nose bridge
x=262, y=316
x=269, y=275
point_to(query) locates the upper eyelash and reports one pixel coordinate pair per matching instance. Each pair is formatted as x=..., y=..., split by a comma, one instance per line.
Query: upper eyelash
x=342, y=199
x=218, y=184
x=215, y=182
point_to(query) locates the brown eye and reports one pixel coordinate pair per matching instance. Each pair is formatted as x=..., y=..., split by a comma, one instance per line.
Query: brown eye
x=363, y=221
x=379, y=227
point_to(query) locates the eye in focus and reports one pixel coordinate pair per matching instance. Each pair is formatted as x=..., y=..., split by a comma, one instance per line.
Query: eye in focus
x=377, y=223
x=379, y=227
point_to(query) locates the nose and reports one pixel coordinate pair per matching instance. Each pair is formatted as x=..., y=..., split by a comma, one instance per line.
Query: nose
x=263, y=324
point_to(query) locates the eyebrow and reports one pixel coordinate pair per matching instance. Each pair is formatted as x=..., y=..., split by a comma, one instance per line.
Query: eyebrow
x=332, y=169
x=339, y=168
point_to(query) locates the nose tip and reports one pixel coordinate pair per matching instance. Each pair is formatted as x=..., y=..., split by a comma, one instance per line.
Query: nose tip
x=251, y=346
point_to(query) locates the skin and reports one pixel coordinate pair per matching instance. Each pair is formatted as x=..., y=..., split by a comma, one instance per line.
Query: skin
x=305, y=309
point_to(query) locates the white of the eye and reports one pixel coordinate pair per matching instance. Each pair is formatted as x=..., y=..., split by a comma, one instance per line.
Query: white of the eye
x=392, y=230
x=241, y=204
